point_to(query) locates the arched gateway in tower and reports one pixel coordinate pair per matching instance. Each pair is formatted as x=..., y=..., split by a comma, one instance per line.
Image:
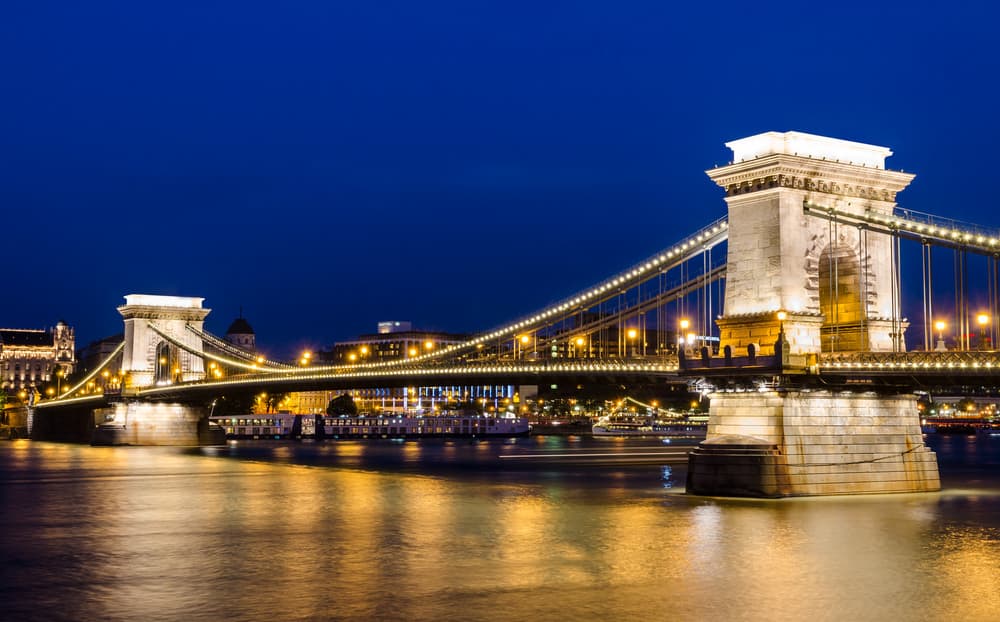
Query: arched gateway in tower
x=149, y=357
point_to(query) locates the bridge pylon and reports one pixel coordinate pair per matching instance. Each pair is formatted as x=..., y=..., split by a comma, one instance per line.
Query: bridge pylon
x=798, y=286
x=149, y=359
x=837, y=286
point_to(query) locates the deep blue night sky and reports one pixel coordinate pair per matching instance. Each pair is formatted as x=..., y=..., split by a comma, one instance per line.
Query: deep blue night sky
x=330, y=164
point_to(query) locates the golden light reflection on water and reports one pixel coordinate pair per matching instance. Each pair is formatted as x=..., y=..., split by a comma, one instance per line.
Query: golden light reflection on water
x=152, y=533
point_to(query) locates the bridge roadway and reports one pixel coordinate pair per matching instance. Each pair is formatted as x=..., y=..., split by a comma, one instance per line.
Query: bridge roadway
x=625, y=372
x=973, y=372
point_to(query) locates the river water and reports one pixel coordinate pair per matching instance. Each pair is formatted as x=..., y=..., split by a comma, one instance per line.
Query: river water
x=449, y=530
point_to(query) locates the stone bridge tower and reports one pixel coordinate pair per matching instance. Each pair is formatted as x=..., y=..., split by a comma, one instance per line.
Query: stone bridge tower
x=775, y=430
x=836, y=284
x=149, y=358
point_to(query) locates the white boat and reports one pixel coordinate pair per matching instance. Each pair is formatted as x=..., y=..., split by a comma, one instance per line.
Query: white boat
x=283, y=425
x=631, y=424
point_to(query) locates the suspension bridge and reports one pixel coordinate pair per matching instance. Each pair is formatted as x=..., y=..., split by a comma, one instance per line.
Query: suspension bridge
x=788, y=311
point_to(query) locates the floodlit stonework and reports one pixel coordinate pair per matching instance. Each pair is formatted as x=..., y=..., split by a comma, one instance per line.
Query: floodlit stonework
x=776, y=444
x=150, y=358
x=821, y=287
x=781, y=258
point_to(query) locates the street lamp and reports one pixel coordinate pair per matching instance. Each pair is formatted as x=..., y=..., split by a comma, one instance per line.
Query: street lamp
x=982, y=319
x=940, y=326
x=580, y=341
x=632, y=334
x=684, y=324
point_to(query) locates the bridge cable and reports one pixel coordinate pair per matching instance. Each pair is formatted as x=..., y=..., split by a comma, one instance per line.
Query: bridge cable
x=867, y=285
x=926, y=268
x=202, y=354
x=221, y=344
x=100, y=367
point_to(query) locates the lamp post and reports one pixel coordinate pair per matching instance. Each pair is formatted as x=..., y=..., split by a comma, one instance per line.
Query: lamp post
x=982, y=319
x=632, y=334
x=781, y=347
x=684, y=325
x=580, y=342
x=939, y=326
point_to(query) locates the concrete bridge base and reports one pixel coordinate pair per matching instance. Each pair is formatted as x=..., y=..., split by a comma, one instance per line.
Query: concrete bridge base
x=145, y=423
x=800, y=443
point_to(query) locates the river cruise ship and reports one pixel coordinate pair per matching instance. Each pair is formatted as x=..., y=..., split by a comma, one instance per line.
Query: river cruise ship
x=632, y=424
x=285, y=426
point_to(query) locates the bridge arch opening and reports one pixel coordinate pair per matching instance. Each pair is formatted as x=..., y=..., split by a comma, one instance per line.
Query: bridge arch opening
x=841, y=289
x=163, y=363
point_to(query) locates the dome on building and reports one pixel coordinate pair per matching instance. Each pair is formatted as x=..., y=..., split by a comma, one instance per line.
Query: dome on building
x=240, y=327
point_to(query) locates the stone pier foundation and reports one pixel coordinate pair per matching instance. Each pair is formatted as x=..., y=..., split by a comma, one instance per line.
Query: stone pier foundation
x=797, y=443
x=150, y=423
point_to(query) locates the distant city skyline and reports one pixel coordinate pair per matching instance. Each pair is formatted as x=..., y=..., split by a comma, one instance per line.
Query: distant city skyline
x=327, y=166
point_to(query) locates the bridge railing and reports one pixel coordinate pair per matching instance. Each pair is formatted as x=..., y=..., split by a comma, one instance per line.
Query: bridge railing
x=920, y=359
x=941, y=222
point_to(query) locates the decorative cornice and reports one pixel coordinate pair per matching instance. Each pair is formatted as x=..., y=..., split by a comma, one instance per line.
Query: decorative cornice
x=811, y=175
x=148, y=312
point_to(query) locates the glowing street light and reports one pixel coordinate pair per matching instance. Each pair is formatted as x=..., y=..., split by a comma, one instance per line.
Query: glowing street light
x=684, y=324
x=982, y=319
x=939, y=326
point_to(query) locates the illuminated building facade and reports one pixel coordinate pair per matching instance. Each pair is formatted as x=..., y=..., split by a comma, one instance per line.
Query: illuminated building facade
x=30, y=358
x=393, y=341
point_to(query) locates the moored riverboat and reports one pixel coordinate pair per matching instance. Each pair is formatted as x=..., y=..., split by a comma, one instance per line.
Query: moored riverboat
x=956, y=425
x=632, y=424
x=385, y=425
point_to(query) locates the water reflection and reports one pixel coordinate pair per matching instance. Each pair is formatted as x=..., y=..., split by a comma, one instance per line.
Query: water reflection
x=297, y=532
